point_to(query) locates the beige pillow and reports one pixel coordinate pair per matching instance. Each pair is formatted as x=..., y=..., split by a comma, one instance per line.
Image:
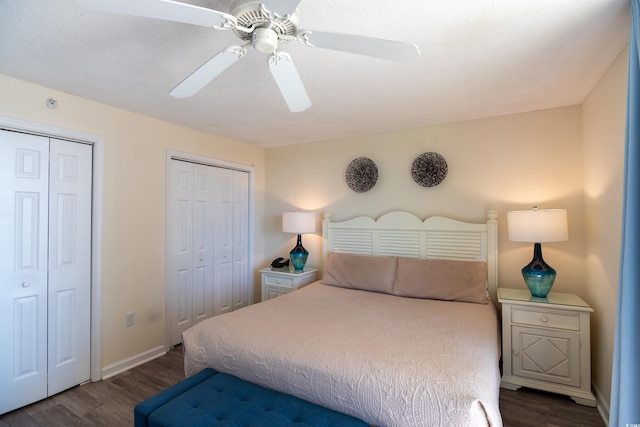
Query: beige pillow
x=442, y=279
x=369, y=273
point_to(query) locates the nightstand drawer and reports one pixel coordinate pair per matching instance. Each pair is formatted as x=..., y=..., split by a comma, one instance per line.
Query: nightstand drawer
x=280, y=282
x=285, y=282
x=570, y=321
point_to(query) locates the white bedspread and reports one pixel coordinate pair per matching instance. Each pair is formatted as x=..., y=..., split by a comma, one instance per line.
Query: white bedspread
x=387, y=360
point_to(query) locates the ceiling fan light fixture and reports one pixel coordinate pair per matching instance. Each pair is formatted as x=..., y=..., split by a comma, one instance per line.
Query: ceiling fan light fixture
x=265, y=40
x=265, y=24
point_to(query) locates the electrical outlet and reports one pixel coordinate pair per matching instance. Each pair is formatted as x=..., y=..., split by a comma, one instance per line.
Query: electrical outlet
x=130, y=319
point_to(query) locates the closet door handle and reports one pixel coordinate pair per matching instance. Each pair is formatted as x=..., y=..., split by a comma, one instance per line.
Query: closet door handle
x=25, y=284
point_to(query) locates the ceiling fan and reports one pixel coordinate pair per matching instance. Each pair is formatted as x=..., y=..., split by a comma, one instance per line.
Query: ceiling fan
x=265, y=25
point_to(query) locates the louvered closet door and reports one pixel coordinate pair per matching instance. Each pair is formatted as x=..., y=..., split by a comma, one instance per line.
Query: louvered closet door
x=45, y=256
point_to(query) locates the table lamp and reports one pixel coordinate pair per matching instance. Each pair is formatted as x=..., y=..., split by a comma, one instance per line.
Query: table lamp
x=298, y=222
x=537, y=226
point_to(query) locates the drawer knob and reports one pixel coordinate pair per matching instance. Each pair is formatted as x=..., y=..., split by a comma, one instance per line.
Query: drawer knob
x=278, y=281
x=544, y=318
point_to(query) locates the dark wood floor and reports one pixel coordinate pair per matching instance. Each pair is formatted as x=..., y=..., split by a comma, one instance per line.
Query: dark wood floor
x=532, y=408
x=103, y=403
x=110, y=402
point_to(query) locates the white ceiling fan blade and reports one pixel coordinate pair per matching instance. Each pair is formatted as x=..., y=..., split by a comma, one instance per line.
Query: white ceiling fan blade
x=208, y=71
x=286, y=75
x=165, y=9
x=281, y=7
x=369, y=46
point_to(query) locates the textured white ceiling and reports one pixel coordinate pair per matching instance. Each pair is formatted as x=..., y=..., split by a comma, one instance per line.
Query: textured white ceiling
x=480, y=58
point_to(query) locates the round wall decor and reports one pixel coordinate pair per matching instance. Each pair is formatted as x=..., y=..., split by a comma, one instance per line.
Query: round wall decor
x=361, y=174
x=429, y=169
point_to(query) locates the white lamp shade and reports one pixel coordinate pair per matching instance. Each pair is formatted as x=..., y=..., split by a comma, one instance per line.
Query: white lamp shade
x=538, y=225
x=298, y=222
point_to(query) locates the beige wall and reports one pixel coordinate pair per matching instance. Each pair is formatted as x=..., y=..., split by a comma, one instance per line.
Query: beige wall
x=501, y=163
x=135, y=149
x=560, y=158
x=603, y=128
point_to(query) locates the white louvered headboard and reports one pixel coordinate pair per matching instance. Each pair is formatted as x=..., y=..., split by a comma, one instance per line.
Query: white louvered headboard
x=404, y=234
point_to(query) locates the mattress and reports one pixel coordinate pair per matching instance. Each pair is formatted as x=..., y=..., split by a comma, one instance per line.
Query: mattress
x=388, y=360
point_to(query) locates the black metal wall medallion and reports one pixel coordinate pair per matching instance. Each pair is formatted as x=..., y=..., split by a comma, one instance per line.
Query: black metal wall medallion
x=429, y=169
x=361, y=174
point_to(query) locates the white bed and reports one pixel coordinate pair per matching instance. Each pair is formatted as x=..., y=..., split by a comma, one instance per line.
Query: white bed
x=389, y=360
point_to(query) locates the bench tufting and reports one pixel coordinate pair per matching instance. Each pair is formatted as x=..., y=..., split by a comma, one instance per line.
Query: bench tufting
x=211, y=398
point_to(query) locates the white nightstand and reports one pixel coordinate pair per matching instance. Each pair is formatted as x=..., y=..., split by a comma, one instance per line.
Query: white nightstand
x=279, y=282
x=546, y=343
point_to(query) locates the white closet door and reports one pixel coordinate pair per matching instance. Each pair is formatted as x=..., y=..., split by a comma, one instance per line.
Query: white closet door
x=223, y=253
x=24, y=182
x=180, y=249
x=190, y=246
x=231, y=241
x=203, y=234
x=240, y=239
x=207, y=244
x=69, y=264
x=45, y=267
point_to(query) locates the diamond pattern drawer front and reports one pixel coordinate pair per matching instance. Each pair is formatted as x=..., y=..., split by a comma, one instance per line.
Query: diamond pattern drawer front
x=274, y=291
x=546, y=355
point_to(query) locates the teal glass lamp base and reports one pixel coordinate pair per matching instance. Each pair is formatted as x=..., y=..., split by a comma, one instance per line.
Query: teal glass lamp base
x=298, y=256
x=538, y=275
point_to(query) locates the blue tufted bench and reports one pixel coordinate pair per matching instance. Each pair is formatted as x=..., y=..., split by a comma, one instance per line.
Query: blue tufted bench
x=211, y=398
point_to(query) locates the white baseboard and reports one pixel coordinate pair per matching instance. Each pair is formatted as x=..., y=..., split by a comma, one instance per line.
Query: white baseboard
x=132, y=362
x=602, y=404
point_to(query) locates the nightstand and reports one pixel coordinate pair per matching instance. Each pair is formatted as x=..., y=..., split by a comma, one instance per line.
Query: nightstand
x=546, y=343
x=280, y=282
